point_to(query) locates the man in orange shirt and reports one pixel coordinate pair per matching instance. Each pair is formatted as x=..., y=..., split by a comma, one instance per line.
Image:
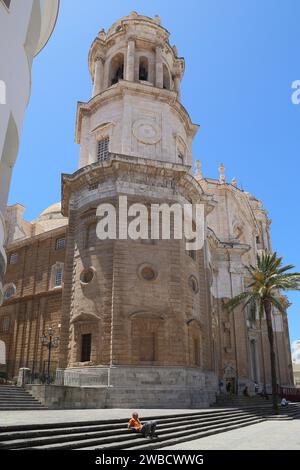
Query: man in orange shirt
x=146, y=429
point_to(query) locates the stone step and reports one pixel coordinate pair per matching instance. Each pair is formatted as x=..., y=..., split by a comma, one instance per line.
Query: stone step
x=16, y=398
x=18, y=401
x=176, y=439
x=113, y=433
x=163, y=438
x=22, y=408
x=13, y=432
x=129, y=440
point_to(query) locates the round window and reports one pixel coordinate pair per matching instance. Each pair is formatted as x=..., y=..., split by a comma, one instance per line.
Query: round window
x=147, y=273
x=9, y=291
x=193, y=283
x=87, y=275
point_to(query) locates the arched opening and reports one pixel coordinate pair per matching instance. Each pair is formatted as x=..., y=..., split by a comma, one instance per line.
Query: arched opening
x=87, y=339
x=147, y=338
x=166, y=78
x=9, y=291
x=117, y=68
x=143, y=68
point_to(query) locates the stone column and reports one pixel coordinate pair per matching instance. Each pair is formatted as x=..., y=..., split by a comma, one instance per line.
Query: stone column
x=130, y=60
x=98, y=76
x=177, y=85
x=159, y=74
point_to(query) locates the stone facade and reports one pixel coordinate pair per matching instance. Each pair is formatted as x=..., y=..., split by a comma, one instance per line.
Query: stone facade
x=139, y=318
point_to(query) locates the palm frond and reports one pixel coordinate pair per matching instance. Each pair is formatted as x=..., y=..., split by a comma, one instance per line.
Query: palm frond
x=239, y=299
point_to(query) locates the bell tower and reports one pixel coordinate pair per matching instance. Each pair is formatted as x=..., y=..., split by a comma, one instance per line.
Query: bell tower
x=134, y=309
x=135, y=107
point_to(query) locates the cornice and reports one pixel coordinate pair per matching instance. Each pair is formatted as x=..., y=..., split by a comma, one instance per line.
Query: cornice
x=117, y=164
x=124, y=87
x=41, y=236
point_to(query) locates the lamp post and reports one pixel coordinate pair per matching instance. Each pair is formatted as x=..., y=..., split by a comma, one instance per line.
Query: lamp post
x=51, y=342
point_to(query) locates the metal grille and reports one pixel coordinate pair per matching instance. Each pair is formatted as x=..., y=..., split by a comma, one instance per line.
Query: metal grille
x=58, y=277
x=13, y=258
x=103, y=149
x=60, y=244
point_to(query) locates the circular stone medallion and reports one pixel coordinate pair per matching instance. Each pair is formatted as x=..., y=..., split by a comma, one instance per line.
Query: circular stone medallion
x=146, y=131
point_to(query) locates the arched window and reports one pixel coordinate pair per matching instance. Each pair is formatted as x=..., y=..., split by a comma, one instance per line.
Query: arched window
x=9, y=291
x=57, y=272
x=116, y=68
x=143, y=68
x=166, y=78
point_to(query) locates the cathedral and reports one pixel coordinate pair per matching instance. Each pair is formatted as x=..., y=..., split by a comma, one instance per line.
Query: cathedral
x=137, y=322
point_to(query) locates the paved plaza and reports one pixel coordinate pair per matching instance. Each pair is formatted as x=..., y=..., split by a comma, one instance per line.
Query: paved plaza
x=269, y=435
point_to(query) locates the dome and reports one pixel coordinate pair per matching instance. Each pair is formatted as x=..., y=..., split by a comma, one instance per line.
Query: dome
x=53, y=209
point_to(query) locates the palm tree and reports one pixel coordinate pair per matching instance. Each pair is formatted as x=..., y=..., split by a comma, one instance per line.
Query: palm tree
x=267, y=279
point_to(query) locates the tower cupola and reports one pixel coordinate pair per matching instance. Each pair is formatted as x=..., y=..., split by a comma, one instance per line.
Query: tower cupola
x=135, y=108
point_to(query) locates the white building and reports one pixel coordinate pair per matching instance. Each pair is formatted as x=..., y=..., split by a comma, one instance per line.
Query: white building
x=25, y=27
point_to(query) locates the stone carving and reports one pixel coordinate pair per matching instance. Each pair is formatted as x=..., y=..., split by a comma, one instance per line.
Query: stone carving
x=146, y=131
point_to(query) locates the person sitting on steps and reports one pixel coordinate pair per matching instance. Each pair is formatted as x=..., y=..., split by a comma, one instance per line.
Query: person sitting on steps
x=147, y=429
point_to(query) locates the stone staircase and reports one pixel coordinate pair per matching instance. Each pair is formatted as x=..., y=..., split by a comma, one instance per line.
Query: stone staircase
x=113, y=434
x=16, y=398
x=241, y=401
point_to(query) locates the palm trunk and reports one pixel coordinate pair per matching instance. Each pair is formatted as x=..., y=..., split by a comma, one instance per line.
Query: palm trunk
x=268, y=311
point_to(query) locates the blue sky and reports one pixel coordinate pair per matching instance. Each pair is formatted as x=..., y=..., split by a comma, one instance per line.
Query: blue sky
x=241, y=59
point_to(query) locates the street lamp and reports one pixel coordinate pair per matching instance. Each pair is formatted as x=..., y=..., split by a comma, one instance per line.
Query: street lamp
x=51, y=342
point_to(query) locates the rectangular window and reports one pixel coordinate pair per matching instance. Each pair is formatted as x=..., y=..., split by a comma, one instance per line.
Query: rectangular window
x=58, y=277
x=103, y=149
x=6, y=3
x=5, y=325
x=86, y=346
x=13, y=258
x=60, y=244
